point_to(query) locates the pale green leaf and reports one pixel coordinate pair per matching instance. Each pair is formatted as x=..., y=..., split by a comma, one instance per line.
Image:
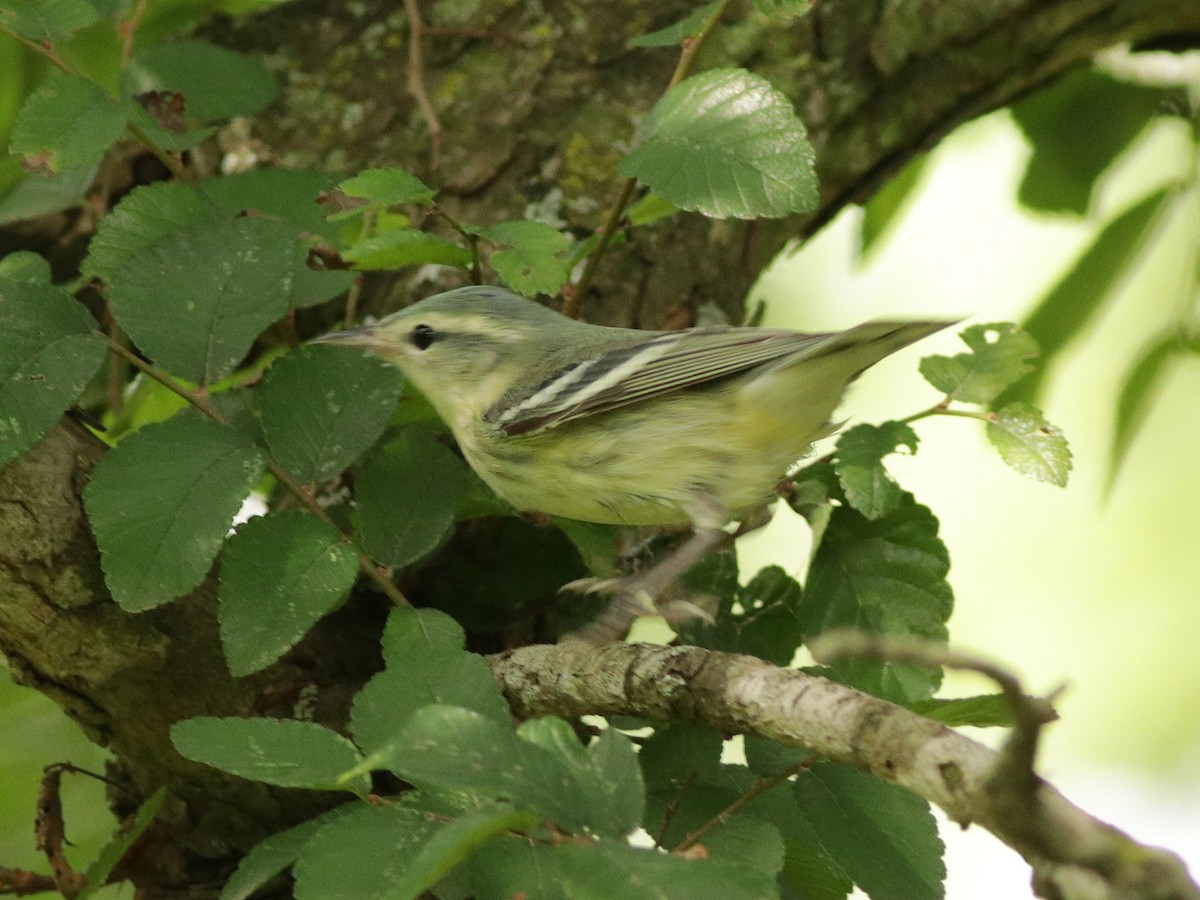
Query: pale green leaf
x=673, y=35
x=538, y=261
x=999, y=357
x=387, y=187
x=858, y=461
x=1030, y=444
x=404, y=247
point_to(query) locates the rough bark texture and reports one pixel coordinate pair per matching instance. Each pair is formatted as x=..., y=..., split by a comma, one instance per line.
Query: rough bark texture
x=536, y=101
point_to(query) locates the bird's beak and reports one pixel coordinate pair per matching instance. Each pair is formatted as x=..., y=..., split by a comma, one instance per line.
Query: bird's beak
x=366, y=337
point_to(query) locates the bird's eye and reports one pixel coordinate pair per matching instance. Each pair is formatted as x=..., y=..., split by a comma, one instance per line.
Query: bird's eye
x=422, y=336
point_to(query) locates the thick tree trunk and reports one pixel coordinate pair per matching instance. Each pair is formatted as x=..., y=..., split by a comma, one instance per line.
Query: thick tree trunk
x=535, y=100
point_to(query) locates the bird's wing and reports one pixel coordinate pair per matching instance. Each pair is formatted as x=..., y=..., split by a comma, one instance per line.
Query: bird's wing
x=639, y=371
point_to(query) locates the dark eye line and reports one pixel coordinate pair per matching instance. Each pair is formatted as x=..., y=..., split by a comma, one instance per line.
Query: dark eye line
x=422, y=336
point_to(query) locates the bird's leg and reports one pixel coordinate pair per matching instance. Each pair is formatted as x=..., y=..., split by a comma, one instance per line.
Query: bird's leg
x=638, y=595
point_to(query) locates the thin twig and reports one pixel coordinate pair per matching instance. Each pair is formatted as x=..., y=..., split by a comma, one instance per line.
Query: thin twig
x=416, y=79
x=760, y=787
x=672, y=808
x=128, y=29
x=202, y=402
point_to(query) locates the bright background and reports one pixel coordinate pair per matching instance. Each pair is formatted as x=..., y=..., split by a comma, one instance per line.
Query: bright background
x=1064, y=586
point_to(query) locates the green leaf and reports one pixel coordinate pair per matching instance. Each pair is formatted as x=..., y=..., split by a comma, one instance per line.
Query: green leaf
x=279, y=574
x=984, y=711
x=1030, y=444
x=785, y=9
x=1077, y=128
x=275, y=853
x=97, y=872
x=39, y=195
x=885, y=575
x=406, y=247
x=858, y=462
x=288, y=194
x=407, y=493
x=678, y=754
x=726, y=144
x=999, y=357
x=537, y=262
x=387, y=186
x=161, y=127
x=394, y=853
x=283, y=752
x=882, y=836
x=766, y=623
x=322, y=408
x=419, y=632
x=68, y=123
x=1141, y=389
x=650, y=209
x=810, y=871
x=141, y=221
x=25, y=266
x=1068, y=306
x=161, y=503
x=217, y=83
x=49, y=351
x=888, y=203
x=673, y=35
x=196, y=301
x=45, y=21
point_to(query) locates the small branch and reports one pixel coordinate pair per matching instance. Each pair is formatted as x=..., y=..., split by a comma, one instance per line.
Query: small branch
x=22, y=883
x=174, y=166
x=471, y=239
x=202, y=402
x=127, y=29
x=50, y=831
x=416, y=79
x=760, y=787
x=672, y=808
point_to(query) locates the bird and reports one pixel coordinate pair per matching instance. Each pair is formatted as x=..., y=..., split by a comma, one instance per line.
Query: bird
x=621, y=426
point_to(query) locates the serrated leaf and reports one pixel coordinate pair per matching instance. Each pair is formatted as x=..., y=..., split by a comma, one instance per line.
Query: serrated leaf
x=417, y=632
x=44, y=193
x=45, y=21
x=1067, y=307
x=161, y=503
x=48, y=354
x=650, y=209
x=25, y=266
x=885, y=575
x=858, y=461
x=999, y=357
x=404, y=247
x=322, y=408
x=394, y=853
x=407, y=493
x=881, y=835
x=161, y=127
x=984, y=711
x=538, y=261
x=679, y=754
x=68, y=123
x=148, y=215
x=288, y=194
x=765, y=623
x=387, y=186
x=217, y=83
x=279, y=574
x=674, y=34
x=726, y=144
x=273, y=854
x=810, y=871
x=97, y=872
x=1138, y=394
x=1030, y=444
x=197, y=300
x=283, y=752
x=1077, y=128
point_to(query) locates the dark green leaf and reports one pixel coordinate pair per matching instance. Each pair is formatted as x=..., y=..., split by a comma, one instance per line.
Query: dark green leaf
x=196, y=301
x=537, y=262
x=116, y=847
x=769, y=758
x=1077, y=127
x=766, y=623
x=217, y=83
x=48, y=354
x=999, y=357
x=161, y=503
x=985, y=711
x=407, y=493
x=673, y=35
x=45, y=21
x=1141, y=389
x=726, y=144
x=882, y=836
x=810, y=871
x=406, y=247
x=282, y=752
x=279, y=574
x=68, y=123
x=147, y=216
x=288, y=194
x=275, y=853
x=25, y=266
x=888, y=204
x=419, y=632
x=165, y=136
x=387, y=187
x=858, y=462
x=679, y=753
x=394, y=853
x=323, y=407
x=1030, y=444
x=1068, y=306
x=39, y=195
x=885, y=575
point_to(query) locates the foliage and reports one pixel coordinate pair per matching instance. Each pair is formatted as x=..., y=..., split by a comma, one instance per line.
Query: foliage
x=201, y=284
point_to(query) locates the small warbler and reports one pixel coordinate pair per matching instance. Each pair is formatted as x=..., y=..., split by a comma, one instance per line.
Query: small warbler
x=620, y=426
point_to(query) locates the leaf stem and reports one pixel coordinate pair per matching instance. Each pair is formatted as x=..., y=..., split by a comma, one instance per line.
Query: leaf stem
x=203, y=402
x=757, y=789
